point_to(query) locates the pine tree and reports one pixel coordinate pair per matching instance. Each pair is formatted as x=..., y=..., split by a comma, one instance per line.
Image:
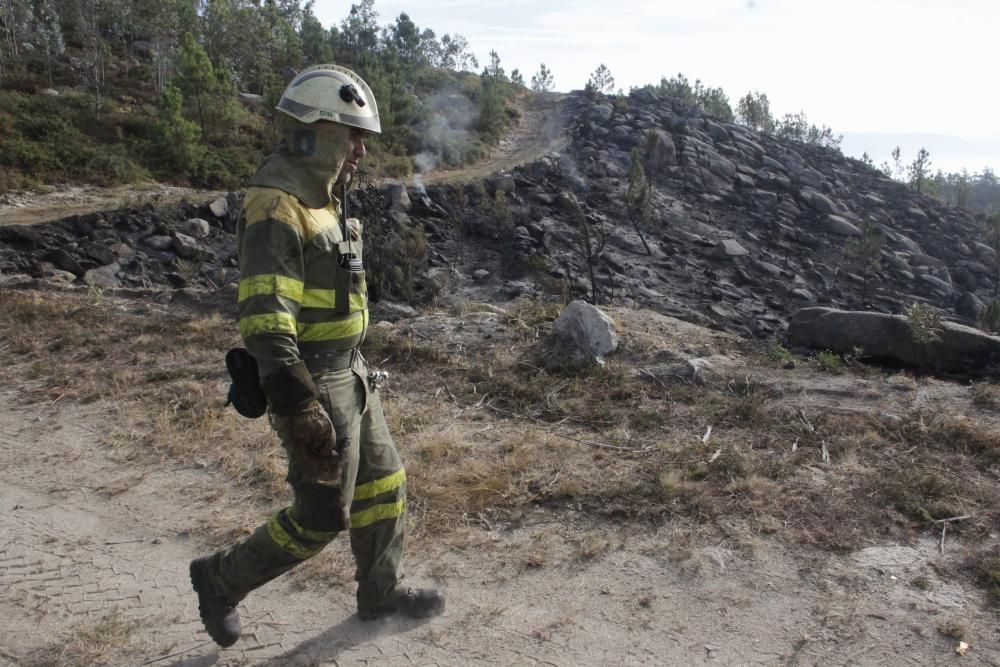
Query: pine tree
x=637, y=197
x=542, y=81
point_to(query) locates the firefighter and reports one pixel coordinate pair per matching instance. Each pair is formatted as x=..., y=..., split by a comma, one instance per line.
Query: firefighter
x=303, y=315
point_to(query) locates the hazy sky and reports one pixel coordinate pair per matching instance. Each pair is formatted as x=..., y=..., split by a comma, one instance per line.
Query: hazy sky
x=860, y=66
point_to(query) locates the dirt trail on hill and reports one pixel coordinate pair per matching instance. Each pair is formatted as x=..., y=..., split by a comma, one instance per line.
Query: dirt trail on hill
x=540, y=130
x=65, y=200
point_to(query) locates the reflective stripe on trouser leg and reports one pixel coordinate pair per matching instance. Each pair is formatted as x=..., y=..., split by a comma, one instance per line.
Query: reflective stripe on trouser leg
x=378, y=509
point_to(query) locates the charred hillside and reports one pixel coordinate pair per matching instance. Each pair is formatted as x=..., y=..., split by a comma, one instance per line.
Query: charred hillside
x=743, y=229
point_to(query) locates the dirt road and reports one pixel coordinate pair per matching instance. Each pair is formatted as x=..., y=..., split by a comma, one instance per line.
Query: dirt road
x=540, y=130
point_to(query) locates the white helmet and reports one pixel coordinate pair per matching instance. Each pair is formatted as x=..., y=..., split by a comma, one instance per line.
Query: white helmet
x=332, y=93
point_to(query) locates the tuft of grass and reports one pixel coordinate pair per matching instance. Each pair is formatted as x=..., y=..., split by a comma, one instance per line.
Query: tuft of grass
x=953, y=628
x=111, y=640
x=986, y=395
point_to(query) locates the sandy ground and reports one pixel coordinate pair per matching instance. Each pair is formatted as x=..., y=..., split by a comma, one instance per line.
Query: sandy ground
x=92, y=541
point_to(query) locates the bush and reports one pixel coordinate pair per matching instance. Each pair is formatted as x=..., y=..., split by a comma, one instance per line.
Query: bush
x=109, y=169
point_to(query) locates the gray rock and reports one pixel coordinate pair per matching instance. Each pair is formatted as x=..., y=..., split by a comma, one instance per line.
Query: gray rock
x=661, y=151
x=772, y=163
x=817, y=201
x=197, y=228
x=601, y=113
x=51, y=92
x=251, y=101
x=158, y=242
x=730, y=248
x=959, y=349
x=480, y=274
x=103, y=276
x=390, y=311
x=123, y=250
x=587, y=329
x=189, y=248
x=397, y=197
x=936, y=285
x=219, y=207
x=968, y=305
x=60, y=276
x=836, y=224
x=810, y=178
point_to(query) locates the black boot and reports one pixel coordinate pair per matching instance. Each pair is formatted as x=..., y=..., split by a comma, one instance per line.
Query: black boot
x=410, y=602
x=218, y=613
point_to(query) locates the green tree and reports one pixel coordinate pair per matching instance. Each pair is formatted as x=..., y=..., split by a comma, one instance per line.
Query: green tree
x=195, y=76
x=404, y=37
x=517, y=78
x=493, y=94
x=177, y=138
x=919, y=169
x=316, y=47
x=542, y=80
x=897, y=163
x=588, y=242
x=359, y=32
x=754, y=111
x=601, y=81
x=637, y=197
x=798, y=128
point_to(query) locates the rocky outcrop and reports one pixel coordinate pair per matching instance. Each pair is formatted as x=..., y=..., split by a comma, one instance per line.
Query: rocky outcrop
x=953, y=348
x=181, y=246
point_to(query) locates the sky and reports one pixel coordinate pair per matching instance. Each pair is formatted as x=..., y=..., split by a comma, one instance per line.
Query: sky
x=924, y=70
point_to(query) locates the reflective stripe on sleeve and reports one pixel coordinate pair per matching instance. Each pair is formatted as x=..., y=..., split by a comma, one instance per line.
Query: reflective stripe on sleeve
x=271, y=284
x=268, y=323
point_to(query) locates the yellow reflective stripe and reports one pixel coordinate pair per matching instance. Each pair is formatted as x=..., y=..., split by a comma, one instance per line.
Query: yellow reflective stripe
x=358, y=302
x=312, y=535
x=319, y=298
x=268, y=323
x=287, y=542
x=321, y=331
x=380, y=486
x=378, y=513
x=277, y=285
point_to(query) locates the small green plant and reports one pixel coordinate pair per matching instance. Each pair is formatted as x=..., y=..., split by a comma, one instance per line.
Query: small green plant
x=778, y=353
x=925, y=323
x=94, y=293
x=989, y=317
x=831, y=362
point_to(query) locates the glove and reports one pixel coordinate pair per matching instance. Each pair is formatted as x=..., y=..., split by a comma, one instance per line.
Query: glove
x=310, y=440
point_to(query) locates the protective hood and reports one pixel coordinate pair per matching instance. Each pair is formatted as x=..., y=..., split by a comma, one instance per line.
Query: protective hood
x=306, y=162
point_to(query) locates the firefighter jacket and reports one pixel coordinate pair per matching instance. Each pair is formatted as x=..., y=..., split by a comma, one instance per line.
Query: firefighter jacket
x=298, y=294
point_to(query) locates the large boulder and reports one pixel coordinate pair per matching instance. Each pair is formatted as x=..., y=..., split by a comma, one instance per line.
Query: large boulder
x=958, y=348
x=591, y=333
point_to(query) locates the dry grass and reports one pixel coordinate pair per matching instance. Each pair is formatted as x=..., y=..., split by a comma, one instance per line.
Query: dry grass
x=112, y=640
x=489, y=435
